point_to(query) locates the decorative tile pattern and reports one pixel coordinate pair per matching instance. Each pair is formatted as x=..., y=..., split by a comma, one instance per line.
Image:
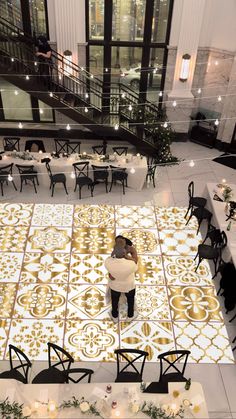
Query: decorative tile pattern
x=153, y=337
x=88, y=269
x=49, y=239
x=10, y=266
x=7, y=298
x=31, y=336
x=135, y=217
x=145, y=241
x=90, y=340
x=15, y=214
x=194, y=304
x=13, y=239
x=87, y=302
x=179, y=242
x=208, y=342
x=180, y=270
x=59, y=215
x=40, y=301
x=45, y=267
x=53, y=283
x=93, y=240
x=94, y=216
x=172, y=218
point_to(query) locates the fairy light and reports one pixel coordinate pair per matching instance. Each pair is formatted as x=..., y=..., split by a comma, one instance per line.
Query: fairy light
x=165, y=125
x=86, y=95
x=50, y=94
x=199, y=90
x=219, y=98
x=132, y=170
x=16, y=92
x=59, y=77
x=68, y=127
x=12, y=60
x=106, y=70
x=116, y=127
x=123, y=95
x=130, y=108
x=122, y=74
x=82, y=68
x=155, y=70
x=216, y=62
x=35, y=63
x=86, y=109
x=160, y=94
x=72, y=175
x=191, y=163
x=10, y=178
x=41, y=111
x=27, y=77
x=20, y=125
x=91, y=76
x=216, y=122
x=174, y=104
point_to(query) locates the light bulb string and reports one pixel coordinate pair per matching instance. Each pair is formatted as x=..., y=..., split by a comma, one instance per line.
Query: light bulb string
x=136, y=168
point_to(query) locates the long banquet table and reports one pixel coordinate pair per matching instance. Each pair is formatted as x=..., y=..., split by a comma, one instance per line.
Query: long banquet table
x=136, y=178
x=36, y=396
x=219, y=219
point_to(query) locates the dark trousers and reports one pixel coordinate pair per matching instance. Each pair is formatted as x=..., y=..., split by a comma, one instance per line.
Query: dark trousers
x=115, y=296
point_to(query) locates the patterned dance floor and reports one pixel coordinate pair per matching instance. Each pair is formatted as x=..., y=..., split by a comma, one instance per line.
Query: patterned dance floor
x=53, y=282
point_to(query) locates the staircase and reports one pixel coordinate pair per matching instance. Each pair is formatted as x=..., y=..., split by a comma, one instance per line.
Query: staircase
x=76, y=93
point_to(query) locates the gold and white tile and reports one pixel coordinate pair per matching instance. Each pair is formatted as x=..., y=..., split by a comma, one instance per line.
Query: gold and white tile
x=32, y=336
x=88, y=269
x=7, y=299
x=13, y=239
x=179, y=242
x=87, y=302
x=172, y=218
x=10, y=264
x=135, y=217
x=208, y=342
x=45, y=267
x=150, y=270
x=4, y=329
x=39, y=301
x=94, y=216
x=194, y=304
x=153, y=337
x=151, y=302
x=91, y=340
x=59, y=215
x=15, y=214
x=180, y=270
x=93, y=240
x=49, y=239
x=145, y=241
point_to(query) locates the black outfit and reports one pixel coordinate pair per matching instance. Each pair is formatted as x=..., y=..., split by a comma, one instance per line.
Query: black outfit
x=115, y=296
x=44, y=63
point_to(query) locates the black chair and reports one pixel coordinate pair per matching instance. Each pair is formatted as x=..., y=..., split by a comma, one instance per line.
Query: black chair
x=151, y=171
x=194, y=201
x=213, y=233
x=11, y=143
x=27, y=173
x=21, y=370
x=61, y=145
x=81, y=374
x=167, y=364
x=98, y=149
x=5, y=172
x=201, y=214
x=212, y=252
x=233, y=342
x=120, y=150
x=74, y=147
x=100, y=174
x=81, y=177
x=54, y=178
x=118, y=174
x=133, y=358
x=39, y=143
x=57, y=371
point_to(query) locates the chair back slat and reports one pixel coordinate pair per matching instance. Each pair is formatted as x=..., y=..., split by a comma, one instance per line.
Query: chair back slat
x=191, y=190
x=130, y=356
x=11, y=143
x=84, y=373
x=63, y=357
x=98, y=149
x=81, y=169
x=61, y=145
x=166, y=358
x=24, y=363
x=120, y=150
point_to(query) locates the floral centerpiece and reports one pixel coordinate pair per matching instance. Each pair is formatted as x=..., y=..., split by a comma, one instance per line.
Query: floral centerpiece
x=227, y=193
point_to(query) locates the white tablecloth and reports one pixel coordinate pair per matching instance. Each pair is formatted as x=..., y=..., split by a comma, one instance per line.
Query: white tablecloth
x=121, y=392
x=219, y=219
x=136, y=180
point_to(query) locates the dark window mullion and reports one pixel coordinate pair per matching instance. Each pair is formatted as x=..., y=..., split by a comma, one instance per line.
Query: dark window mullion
x=107, y=55
x=146, y=49
x=35, y=109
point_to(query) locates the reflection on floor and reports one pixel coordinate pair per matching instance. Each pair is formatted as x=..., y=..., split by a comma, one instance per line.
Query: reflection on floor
x=53, y=283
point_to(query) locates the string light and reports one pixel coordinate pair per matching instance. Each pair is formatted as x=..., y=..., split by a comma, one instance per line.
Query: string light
x=12, y=60
x=60, y=77
x=174, y=104
x=191, y=163
x=123, y=95
x=219, y=98
x=165, y=125
x=106, y=70
x=20, y=125
x=216, y=122
x=41, y=111
x=35, y=63
x=132, y=170
x=68, y=127
x=86, y=95
x=72, y=175
x=199, y=90
x=160, y=94
x=91, y=76
x=216, y=62
x=10, y=178
x=116, y=127
x=130, y=108
x=86, y=109
x=16, y=92
x=122, y=74
x=50, y=94
x=82, y=68
x=27, y=77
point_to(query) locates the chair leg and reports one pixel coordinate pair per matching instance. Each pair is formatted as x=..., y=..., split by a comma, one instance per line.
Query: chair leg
x=65, y=188
x=106, y=184
x=189, y=218
x=218, y=292
x=199, y=225
x=111, y=186
x=196, y=256
x=53, y=185
x=187, y=211
x=199, y=261
x=92, y=187
x=34, y=186
x=123, y=185
x=21, y=184
x=75, y=187
x=14, y=185
x=2, y=188
x=234, y=340
x=37, y=180
x=153, y=180
x=231, y=321
x=79, y=192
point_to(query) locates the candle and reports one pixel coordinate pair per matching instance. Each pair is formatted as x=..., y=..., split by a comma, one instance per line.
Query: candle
x=117, y=413
x=40, y=151
x=36, y=405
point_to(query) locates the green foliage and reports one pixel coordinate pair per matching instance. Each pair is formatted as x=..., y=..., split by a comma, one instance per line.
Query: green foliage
x=75, y=403
x=12, y=410
x=155, y=412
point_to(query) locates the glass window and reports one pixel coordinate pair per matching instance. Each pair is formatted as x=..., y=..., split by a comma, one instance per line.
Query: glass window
x=11, y=10
x=45, y=112
x=16, y=103
x=38, y=17
x=128, y=20
x=96, y=19
x=96, y=60
x=155, y=73
x=126, y=65
x=160, y=19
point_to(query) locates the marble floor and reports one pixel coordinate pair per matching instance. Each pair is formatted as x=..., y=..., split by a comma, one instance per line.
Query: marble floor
x=219, y=380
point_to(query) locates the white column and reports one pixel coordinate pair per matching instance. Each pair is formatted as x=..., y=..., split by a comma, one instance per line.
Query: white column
x=187, y=43
x=70, y=25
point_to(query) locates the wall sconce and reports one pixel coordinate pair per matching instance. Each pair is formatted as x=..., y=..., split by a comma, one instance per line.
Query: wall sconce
x=184, y=72
x=67, y=62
